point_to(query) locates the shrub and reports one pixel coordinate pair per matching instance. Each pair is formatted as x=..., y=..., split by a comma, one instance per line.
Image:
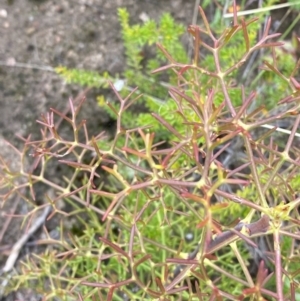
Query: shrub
x=176, y=220
x=141, y=57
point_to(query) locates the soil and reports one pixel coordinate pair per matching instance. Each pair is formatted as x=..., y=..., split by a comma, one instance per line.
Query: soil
x=38, y=35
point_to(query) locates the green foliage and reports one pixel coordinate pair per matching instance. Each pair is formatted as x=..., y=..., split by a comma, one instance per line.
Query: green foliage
x=295, y=3
x=139, y=40
x=221, y=179
x=83, y=77
x=167, y=32
x=142, y=57
x=270, y=84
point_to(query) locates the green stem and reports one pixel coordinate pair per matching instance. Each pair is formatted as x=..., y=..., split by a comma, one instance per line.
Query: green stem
x=254, y=173
x=278, y=265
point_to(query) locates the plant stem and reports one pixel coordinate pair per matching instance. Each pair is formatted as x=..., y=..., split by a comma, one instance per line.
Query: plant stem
x=278, y=265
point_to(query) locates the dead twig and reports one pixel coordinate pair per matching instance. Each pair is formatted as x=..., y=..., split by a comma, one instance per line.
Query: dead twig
x=10, y=262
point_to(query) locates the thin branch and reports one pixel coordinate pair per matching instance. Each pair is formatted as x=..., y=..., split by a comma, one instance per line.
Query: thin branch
x=10, y=262
x=260, y=10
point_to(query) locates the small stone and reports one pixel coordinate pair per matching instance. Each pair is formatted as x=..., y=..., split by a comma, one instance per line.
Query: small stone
x=144, y=17
x=30, y=30
x=189, y=236
x=3, y=13
x=11, y=61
